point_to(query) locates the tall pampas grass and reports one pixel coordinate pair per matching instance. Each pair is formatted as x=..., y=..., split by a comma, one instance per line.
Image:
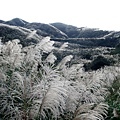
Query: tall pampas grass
x=91, y=111
x=32, y=88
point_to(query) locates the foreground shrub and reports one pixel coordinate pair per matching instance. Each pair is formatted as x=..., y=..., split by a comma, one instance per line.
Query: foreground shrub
x=97, y=63
x=113, y=100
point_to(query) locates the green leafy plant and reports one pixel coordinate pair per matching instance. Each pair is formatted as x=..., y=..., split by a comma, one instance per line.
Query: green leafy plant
x=113, y=100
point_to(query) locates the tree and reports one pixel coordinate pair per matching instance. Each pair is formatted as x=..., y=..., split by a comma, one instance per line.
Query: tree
x=97, y=63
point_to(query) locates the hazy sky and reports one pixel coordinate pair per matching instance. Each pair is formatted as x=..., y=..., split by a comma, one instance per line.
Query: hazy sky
x=103, y=14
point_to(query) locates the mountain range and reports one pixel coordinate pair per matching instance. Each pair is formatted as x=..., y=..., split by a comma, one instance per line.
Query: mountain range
x=60, y=32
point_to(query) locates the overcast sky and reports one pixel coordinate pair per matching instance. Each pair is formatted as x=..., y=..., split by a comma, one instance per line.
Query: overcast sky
x=103, y=14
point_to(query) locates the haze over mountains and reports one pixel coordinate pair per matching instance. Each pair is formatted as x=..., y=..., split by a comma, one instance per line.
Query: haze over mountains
x=21, y=29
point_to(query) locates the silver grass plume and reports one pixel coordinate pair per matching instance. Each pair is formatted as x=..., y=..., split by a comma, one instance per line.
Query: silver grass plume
x=51, y=58
x=53, y=100
x=63, y=62
x=91, y=111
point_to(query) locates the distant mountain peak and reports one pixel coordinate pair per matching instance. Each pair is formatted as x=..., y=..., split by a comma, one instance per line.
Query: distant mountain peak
x=16, y=22
x=19, y=20
x=1, y=21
